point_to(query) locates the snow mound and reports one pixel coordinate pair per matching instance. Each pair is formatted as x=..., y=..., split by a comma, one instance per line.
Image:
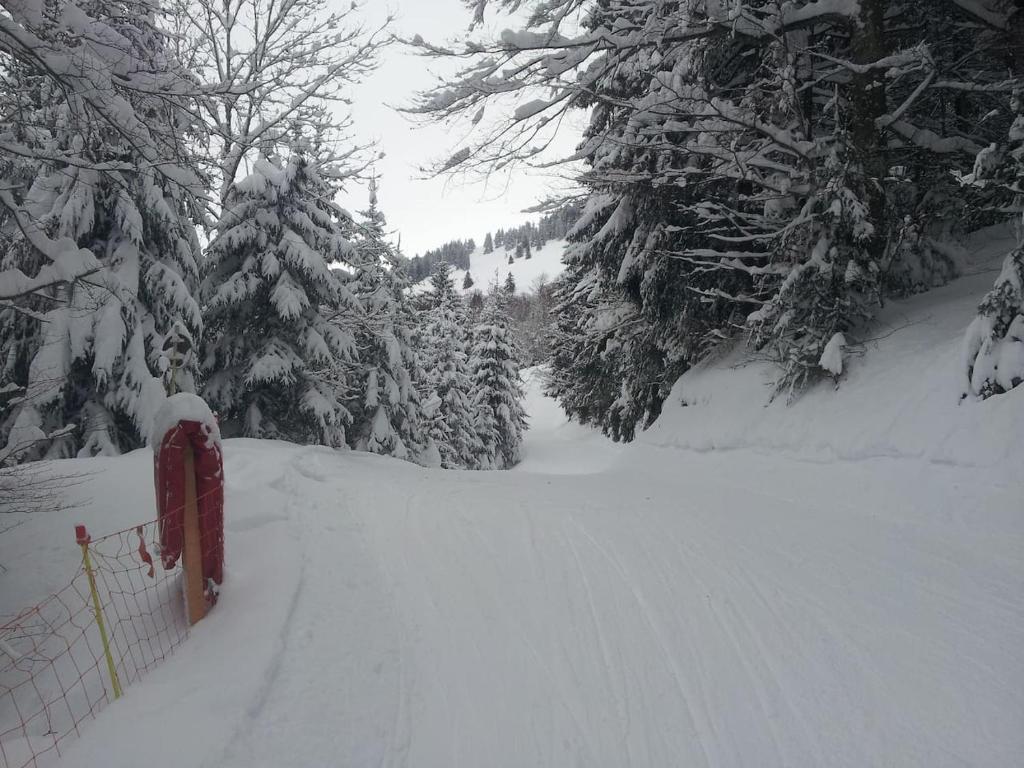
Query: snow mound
x=900, y=397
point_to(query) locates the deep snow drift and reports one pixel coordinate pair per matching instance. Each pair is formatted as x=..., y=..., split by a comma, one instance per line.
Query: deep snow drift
x=844, y=588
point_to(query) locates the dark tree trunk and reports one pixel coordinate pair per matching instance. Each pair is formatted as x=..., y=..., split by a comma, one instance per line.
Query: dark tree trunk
x=868, y=99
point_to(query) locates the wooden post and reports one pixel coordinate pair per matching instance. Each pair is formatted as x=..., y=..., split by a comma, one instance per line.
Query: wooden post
x=192, y=556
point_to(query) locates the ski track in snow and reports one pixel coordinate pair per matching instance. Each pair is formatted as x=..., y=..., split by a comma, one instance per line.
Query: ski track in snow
x=598, y=606
x=733, y=615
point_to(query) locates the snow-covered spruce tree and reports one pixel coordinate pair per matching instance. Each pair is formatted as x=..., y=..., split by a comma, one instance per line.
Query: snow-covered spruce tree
x=21, y=306
x=474, y=305
x=994, y=341
x=488, y=244
x=112, y=201
x=388, y=416
x=826, y=296
x=442, y=288
x=498, y=389
x=444, y=348
x=713, y=137
x=275, y=355
x=583, y=379
x=641, y=307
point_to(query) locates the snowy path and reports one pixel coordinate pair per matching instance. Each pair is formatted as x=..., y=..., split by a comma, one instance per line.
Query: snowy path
x=676, y=609
x=840, y=583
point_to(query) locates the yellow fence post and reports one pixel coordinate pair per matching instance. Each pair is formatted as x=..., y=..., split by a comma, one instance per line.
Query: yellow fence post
x=82, y=538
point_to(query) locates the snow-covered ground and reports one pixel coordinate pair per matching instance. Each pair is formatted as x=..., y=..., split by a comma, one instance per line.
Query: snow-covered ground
x=546, y=262
x=900, y=396
x=556, y=446
x=844, y=586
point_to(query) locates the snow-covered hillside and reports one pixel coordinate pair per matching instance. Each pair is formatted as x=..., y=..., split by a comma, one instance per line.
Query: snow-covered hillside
x=546, y=261
x=900, y=396
x=849, y=592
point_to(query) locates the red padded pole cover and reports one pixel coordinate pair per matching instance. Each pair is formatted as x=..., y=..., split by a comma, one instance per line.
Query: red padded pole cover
x=170, y=496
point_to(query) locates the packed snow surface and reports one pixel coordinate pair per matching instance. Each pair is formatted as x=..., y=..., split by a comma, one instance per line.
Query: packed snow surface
x=553, y=444
x=847, y=593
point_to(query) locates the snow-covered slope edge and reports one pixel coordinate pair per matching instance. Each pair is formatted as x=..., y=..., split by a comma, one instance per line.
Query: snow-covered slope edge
x=546, y=261
x=900, y=398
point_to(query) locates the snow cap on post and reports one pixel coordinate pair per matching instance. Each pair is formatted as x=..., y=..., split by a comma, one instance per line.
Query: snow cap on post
x=183, y=406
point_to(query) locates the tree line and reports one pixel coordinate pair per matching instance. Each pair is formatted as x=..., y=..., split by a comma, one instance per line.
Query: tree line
x=455, y=253
x=519, y=241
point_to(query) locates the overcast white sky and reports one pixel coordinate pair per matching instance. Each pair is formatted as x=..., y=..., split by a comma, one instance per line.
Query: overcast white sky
x=429, y=213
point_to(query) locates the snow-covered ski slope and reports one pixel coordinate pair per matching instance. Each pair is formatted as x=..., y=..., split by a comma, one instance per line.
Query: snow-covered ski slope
x=545, y=261
x=844, y=586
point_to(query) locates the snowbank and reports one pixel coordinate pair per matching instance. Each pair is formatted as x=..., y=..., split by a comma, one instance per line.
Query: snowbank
x=900, y=395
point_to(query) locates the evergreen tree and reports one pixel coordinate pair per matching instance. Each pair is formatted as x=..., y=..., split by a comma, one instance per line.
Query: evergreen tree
x=467, y=282
x=97, y=189
x=388, y=416
x=275, y=360
x=510, y=284
x=500, y=417
x=994, y=341
x=456, y=253
x=442, y=287
x=527, y=252
x=452, y=425
x=488, y=244
x=830, y=293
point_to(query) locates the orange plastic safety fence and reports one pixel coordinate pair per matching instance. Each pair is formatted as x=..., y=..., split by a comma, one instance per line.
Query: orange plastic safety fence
x=53, y=669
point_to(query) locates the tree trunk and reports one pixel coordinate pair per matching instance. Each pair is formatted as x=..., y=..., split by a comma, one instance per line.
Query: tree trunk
x=1016, y=39
x=868, y=102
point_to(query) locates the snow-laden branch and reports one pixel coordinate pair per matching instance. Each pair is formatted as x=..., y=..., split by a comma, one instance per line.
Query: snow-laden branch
x=68, y=262
x=98, y=74
x=928, y=139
